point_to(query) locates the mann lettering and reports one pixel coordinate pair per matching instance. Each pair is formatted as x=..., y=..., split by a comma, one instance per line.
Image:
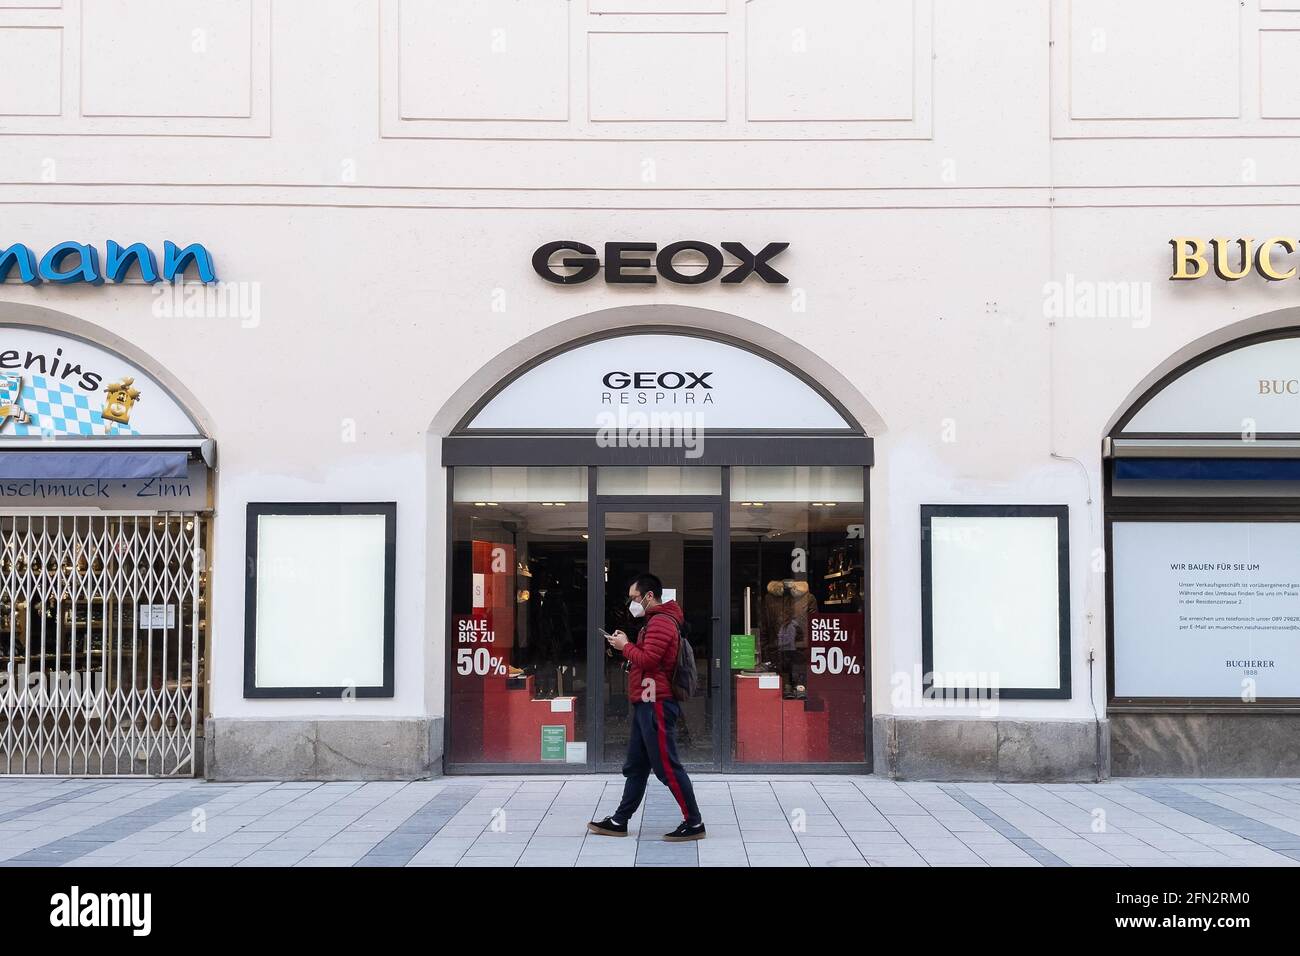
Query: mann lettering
x=68, y=263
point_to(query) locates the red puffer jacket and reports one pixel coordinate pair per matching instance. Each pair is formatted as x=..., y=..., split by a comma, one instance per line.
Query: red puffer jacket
x=654, y=655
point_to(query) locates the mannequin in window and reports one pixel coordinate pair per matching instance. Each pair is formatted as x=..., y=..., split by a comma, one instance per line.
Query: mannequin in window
x=783, y=631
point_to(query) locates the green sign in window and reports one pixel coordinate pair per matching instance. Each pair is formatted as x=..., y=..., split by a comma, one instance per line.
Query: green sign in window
x=742, y=651
x=554, y=738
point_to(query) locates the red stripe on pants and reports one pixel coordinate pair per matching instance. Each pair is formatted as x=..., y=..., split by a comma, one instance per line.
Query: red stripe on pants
x=673, y=785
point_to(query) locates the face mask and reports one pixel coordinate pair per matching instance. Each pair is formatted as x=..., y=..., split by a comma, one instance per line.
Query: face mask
x=635, y=609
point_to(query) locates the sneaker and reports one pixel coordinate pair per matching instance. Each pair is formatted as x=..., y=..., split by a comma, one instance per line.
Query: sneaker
x=686, y=832
x=608, y=827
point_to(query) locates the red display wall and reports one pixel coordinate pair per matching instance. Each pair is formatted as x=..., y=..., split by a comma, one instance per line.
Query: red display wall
x=829, y=724
x=495, y=718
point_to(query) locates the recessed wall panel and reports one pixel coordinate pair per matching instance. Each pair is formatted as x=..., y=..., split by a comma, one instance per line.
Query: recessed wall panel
x=829, y=60
x=657, y=77
x=1157, y=59
x=1279, y=92
x=33, y=65
x=162, y=58
x=484, y=60
x=658, y=6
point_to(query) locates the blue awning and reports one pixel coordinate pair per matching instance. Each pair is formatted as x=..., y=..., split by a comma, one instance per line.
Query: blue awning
x=93, y=464
x=1207, y=469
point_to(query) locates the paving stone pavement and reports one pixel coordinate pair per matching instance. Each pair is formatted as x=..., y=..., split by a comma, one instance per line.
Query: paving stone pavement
x=833, y=820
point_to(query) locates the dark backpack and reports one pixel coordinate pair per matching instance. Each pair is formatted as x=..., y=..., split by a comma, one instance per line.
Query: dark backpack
x=686, y=679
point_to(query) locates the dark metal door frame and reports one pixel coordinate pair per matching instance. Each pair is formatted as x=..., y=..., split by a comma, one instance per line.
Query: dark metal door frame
x=714, y=505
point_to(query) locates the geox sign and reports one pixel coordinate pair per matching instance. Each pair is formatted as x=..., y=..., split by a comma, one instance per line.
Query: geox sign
x=624, y=264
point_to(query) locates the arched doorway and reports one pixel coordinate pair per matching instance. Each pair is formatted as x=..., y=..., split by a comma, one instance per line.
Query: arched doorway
x=1203, y=541
x=717, y=465
x=105, y=492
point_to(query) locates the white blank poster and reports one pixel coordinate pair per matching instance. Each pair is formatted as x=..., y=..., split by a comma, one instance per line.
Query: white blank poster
x=996, y=601
x=320, y=600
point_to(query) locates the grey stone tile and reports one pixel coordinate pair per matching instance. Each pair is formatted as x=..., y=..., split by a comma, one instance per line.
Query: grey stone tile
x=849, y=821
x=264, y=858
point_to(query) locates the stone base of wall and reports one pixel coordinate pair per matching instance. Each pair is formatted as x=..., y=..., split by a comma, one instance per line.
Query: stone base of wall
x=322, y=749
x=1205, y=745
x=916, y=748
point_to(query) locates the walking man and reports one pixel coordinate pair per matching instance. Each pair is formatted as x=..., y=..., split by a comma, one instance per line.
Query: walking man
x=652, y=740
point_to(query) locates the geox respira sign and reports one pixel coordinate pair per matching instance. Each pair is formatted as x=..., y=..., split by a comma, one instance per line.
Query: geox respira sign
x=78, y=262
x=629, y=263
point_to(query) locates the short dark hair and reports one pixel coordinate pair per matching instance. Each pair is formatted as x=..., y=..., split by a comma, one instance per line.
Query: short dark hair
x=648, y=584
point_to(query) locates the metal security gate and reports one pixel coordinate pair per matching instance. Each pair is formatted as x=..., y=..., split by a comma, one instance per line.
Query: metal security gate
x=100, y=650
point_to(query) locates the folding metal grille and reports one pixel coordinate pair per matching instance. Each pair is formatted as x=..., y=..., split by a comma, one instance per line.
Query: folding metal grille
x=100, y=624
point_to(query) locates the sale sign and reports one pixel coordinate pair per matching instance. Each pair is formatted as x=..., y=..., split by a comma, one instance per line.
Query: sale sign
x=835, y=647
x=837, y=682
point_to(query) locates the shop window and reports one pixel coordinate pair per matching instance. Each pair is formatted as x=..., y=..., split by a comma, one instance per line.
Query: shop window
x=995, y=601
x=320, y=600
x=1206, y=609
x=798, y=629
x=518, y=644
x=1203, y=533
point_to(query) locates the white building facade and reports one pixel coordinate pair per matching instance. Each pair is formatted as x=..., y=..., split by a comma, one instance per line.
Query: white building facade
x=940, y=358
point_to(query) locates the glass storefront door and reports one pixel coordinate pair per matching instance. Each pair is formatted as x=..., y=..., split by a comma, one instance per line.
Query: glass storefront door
x=680, y=547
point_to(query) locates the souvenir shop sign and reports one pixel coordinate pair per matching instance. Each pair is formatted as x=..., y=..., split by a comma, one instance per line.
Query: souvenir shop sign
x=162, y=494
x=59, y=386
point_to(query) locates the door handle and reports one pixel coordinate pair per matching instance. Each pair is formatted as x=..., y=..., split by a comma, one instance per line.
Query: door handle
x=716, y=682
